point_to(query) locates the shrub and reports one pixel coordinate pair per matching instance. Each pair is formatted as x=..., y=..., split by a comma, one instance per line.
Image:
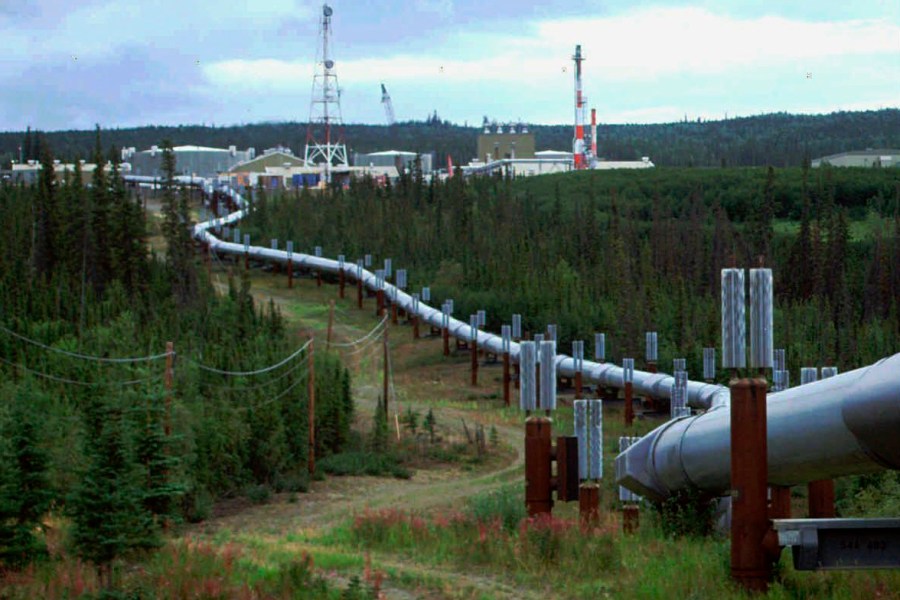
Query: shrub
x=364, y=463
x=687, y=513
x=505, y=505
x=258, y=494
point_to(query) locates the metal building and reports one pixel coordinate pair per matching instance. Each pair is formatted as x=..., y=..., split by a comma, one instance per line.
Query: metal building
x=883, y=157
x=500, y=145
x=395, y=158
x=199, y=161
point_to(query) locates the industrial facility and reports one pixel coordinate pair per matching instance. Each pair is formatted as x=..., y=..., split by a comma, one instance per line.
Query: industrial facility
x=199, y=161
x=403, y=161
x=884, y=157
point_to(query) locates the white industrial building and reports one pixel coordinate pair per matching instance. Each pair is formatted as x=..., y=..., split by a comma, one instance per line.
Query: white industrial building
x=395, y=158
x=884, y=157
x=199, y=161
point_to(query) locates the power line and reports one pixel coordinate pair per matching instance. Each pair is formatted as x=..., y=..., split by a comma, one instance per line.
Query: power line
x=373, y=332
x=102, y=359
x=259, y=385
x=77, y=382
x=250, y=373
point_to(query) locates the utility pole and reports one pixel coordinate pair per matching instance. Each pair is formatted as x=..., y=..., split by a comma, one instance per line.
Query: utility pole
x=330, y=325
x=387, y=369
x=169, y=380
x=311, y=392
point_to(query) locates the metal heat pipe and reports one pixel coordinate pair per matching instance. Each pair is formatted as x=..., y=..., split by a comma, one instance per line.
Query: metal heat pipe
x=844, y=425
x=838, y=426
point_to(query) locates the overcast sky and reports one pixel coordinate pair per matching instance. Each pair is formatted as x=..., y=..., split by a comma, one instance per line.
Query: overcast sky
x=123, y=63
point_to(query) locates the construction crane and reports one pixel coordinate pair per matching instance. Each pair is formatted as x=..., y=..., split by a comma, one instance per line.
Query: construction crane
x=388, y=105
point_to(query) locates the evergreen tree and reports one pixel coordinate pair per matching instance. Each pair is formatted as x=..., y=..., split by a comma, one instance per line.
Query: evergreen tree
x=25, y=494
x=108, y=519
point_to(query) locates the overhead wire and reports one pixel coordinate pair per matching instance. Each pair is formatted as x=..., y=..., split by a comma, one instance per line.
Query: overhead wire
x=66, y=380
x=228, y=373
x=102, y=359
x=373, y=332
x=258, y=385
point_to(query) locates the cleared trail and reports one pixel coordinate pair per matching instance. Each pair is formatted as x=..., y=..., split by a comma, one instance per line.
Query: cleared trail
x=282, y=525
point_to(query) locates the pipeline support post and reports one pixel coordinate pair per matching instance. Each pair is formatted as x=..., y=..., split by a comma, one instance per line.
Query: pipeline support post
x=780, y=502
x=538, y=460
x=379, y=299
x=359, y=293
x=629, y=403
x=506, y=380
x=445, y=331
x=341, y=282
x=415, y=325
x=474, y=346
x=589, y=505
x=751, y=566
x=821, y=499
x=631, y=518
x=290, y=270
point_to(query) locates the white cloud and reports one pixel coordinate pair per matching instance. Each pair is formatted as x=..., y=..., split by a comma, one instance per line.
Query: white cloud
x=639, y=46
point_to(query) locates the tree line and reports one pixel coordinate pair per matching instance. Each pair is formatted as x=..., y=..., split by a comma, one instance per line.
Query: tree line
x=104, y=441
x=778, y=139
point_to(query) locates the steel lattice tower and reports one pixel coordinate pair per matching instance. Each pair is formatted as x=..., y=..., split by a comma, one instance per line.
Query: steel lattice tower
x=325, y=107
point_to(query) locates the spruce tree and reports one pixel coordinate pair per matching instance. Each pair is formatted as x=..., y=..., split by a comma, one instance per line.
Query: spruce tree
x=25, y=492
x=108, y=519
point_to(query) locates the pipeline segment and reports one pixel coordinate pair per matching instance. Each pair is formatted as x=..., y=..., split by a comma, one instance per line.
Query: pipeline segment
x=838, y=426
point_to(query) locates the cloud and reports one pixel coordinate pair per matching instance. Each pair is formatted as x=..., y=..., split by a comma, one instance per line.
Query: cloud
x=640, y=46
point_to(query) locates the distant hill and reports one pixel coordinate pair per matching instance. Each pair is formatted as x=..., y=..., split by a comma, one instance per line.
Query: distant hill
x=779, y=139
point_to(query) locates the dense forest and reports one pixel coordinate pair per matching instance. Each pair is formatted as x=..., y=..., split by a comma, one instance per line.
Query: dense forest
x=778, y=139
x=628, y=252
x=90, y=428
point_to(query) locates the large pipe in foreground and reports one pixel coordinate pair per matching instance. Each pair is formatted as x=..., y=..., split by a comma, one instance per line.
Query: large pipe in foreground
x=844, y=425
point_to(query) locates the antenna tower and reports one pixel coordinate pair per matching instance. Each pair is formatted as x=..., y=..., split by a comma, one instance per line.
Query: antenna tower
x=388, y=105
x=325, y=106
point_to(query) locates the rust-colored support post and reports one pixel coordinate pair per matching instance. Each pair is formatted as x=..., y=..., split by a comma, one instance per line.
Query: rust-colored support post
x=446, y=334
x=579, y=384
x=359, y=293
x=387, y=371
x=208, y=261
x=311, y=405
x=379, y=299
x=290, y=270
x=393, y=313
x=415, y=324
x=589, y=505
x=751, y=567
x=780, y=502
x=246, y=261
x=631, y=518
x=318, y=278
x=330, y=325
x=341, y=282
x=821, y=499
x=169, y=381
x=506, y=378
x=538, y=460
x=629, y=403
x=474, y=346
